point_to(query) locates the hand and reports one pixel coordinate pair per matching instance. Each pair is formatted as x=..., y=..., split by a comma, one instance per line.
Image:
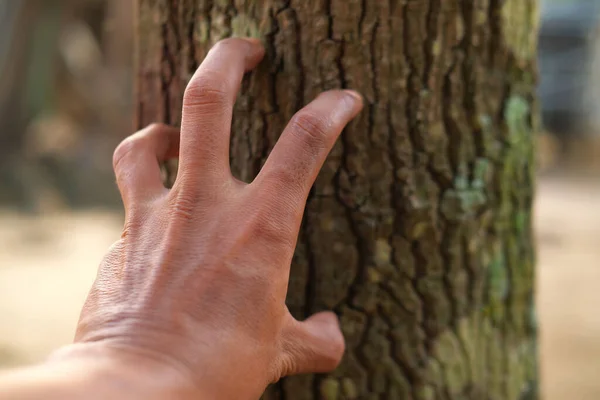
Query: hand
x=197, y=282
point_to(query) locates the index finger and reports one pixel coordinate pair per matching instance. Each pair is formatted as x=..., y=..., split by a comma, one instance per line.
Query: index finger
x=208, y=106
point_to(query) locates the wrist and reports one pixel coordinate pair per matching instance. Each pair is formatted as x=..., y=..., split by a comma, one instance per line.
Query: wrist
x=106, y=372
x=205, y=365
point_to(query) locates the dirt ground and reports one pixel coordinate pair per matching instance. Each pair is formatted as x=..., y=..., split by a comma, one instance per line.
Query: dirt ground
x=48, y=263
x=568, y=228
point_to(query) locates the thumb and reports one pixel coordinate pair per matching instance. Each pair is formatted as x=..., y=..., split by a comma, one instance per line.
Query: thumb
x=137, y=159
x=313, y=346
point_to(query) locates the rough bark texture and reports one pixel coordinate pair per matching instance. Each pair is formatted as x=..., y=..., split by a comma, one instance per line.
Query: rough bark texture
x=418, y=230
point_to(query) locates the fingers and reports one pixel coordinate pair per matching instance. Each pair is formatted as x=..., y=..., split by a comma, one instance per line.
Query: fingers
x=294, y=163
x=208, y=107
x=313, y=346
x=137, y=159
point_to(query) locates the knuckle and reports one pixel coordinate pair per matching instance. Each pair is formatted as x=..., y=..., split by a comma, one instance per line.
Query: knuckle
x=183, y=207
x=310, y=128
x=284, y=180
x=274, y=227
x=126, y=148
x=209, y=90
x=286, y=187
x=187, y=203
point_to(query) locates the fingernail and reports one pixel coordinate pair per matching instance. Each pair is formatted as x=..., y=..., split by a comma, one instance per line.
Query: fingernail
x=355, y=96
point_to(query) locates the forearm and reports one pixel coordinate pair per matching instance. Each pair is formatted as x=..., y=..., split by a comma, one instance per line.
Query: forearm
x=93, y=375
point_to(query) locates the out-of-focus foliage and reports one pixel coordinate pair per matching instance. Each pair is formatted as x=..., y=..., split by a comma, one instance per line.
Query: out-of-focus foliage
x=65, y=99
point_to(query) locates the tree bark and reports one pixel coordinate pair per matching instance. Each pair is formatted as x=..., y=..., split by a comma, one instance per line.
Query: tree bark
x=418, y=229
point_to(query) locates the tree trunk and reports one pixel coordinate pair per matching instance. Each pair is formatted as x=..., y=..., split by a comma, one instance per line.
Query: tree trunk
x=418, y=229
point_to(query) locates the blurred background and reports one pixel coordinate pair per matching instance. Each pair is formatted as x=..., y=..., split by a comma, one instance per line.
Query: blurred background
x=66, y=102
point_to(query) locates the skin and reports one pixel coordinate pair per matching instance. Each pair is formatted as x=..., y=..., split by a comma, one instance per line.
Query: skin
x=190, y=301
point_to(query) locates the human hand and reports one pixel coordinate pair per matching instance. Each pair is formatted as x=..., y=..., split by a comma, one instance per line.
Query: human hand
x=197, y=282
